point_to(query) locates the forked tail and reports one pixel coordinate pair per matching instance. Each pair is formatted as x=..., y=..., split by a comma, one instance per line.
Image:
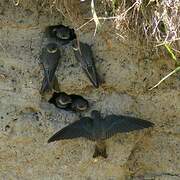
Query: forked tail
x=48, y=86
x=100, y=150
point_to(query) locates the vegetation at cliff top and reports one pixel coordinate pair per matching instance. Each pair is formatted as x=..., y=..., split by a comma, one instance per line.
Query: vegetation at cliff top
x=157, y=21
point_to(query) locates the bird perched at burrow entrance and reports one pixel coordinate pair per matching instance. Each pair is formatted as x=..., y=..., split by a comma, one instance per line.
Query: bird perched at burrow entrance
x=97, y=128
x=59, y=34
x=49, y=60
x=60, y=100
x=78, y=103
x=84, y=56
x=70, y=102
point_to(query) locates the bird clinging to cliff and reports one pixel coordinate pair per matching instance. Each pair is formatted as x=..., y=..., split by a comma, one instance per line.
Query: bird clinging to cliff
x=99, y=129
x=61, y=100
x=49, y=59
x=84, y=56
x=55, y=37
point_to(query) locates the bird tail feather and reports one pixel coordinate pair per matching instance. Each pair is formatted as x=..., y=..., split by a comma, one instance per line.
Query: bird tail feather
x=56, y=84
x=92, y=75
x=100, y=151
x=46, y=85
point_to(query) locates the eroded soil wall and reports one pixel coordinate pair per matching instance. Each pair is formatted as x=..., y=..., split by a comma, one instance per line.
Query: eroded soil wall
x=128, y=69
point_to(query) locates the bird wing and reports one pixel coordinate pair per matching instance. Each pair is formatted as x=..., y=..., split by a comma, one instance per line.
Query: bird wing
x=121, y=124
x=85, y=56
x=92, y=75
x=49, y=76
x=80, y=128
x=88, y=64
x=49, y=63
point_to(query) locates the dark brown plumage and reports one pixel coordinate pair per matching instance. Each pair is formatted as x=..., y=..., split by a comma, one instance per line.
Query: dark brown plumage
x=78, y=103
x=60, y=34
x=60, y=100
x=49, y=59
x=84, y=56
x=70, y=102
x=99, y=129
x=55, y=37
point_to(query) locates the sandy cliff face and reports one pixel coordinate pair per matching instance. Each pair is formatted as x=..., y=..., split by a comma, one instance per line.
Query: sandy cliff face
x=128, y=69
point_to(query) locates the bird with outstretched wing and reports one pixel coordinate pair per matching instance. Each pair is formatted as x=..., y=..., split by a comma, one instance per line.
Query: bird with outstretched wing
x=99, y=129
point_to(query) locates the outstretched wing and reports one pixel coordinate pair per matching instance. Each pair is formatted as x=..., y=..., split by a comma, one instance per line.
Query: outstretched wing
x=121, y=124
x=80, y=128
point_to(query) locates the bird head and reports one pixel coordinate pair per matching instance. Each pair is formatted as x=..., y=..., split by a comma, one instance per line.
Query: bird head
x=81, y=105
x=63, y=99
x=62, y=32
x=51, y=47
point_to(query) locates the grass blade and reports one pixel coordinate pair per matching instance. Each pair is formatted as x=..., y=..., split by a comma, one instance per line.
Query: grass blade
x=167, y=46
x=96, y=20
x=171, y=73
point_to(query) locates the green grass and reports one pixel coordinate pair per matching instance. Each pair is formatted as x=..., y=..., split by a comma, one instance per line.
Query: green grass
x=95, y=17
x=170, y=51
x=177, y=63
